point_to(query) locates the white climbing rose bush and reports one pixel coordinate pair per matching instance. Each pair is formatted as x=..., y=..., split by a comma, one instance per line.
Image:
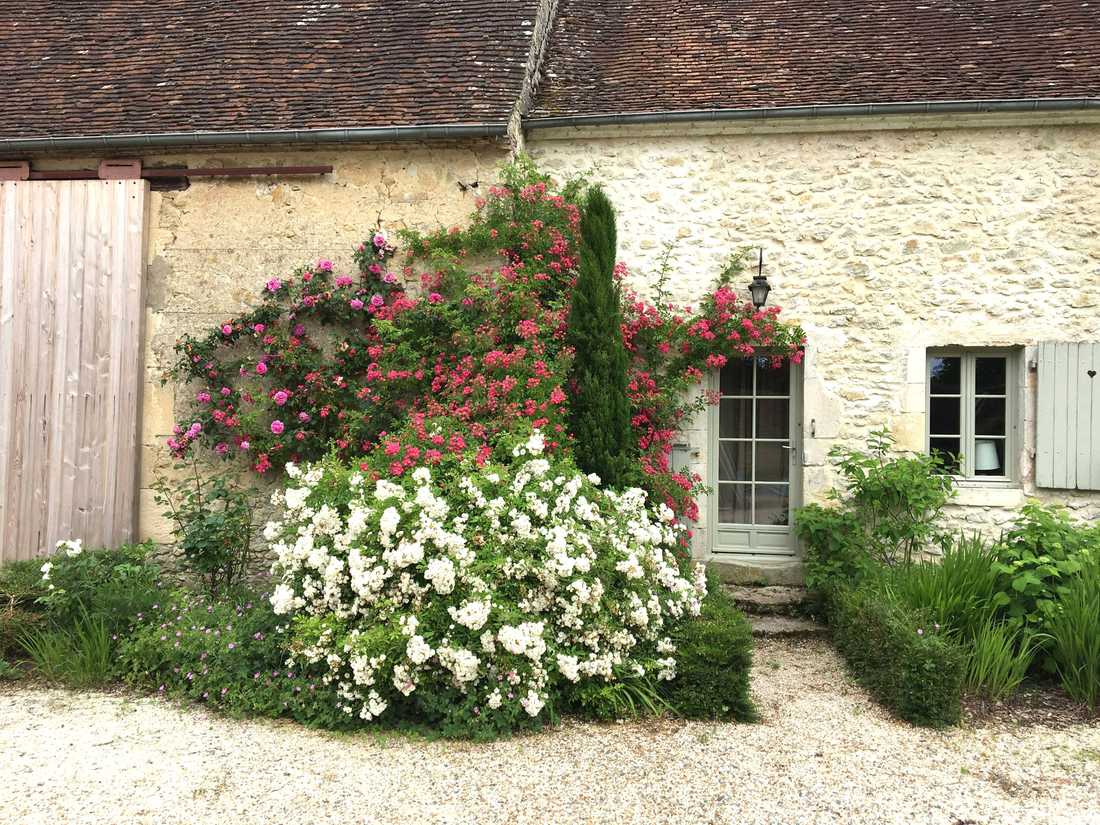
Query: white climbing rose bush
x=477, y=598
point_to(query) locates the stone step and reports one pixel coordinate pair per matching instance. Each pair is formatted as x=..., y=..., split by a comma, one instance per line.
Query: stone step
x=769, y=601
x=786, y=627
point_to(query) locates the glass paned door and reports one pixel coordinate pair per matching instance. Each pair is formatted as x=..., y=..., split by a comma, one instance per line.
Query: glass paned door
x=756, y=458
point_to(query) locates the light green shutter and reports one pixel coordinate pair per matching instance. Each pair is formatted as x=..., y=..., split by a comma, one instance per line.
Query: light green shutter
x=1067, y=452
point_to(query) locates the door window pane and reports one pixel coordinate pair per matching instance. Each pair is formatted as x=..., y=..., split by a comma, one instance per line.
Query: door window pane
x=736, y=377
x=773, y=418
x=946, y=376
x=771, y=381
x=989, y=416
x=735, y=418
x=944, y=417
x=735, y=461
x=772, y=461
x=772, y=504
x=735, y=503
x=989, y=457
x=990, y=375
x=948, y=450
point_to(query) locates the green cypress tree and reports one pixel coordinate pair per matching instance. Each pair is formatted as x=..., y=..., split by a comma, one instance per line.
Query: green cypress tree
x=600, y=410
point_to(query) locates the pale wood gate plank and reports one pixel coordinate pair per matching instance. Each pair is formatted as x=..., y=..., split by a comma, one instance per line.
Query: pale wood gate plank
x=71, y=306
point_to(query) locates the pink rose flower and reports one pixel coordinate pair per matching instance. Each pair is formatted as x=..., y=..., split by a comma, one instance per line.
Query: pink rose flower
x=259, y=328
x=245, y=445
x=277, y=427
x=227, y=329
x=261, y=368
x=377, y=301
x=435, y=298
x=344, y=280
x=355, y=303
x=280, y=397
x=325, y=265
x=303, y=417
x=222, y=448
x=203, y=397
x=225, y=391
x=274, y=285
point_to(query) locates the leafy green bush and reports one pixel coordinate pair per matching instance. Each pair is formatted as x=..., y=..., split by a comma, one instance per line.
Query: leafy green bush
x=212, y=515
x=1036, y=562
x=997, y=659
x=115, y=584
x=20, y=587
x=714, y=659
x=896, y=499
x=1075, y=636
x=907, y=664
x=835, y=553
x=229, y=653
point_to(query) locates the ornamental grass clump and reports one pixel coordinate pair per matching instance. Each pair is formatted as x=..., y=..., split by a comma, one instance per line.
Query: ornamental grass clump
x=478, y=599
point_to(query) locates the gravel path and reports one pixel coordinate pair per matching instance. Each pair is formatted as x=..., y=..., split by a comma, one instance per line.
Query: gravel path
x=823, y=753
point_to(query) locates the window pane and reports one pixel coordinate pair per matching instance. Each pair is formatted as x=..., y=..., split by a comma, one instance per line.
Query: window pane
x=735, y=418
x=772, y=504
x=773, y=381
x=945, y=375
x=736, y=377
x=772, y=461
x=735, y=461
x=989, y=376
x=944, y=416
x=989, y=457
x=948, y=450
x=772, y=418
x=734, y=503
x=989, y=416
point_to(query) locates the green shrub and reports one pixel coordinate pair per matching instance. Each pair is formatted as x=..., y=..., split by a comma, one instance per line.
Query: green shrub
x=714, y=656
x=1037, y=561
x=897, y=654
x=49, y=650
x=114, y=584
x=896, y=499
x=600, y=408
x=229, y=653
x=957, y=590
x=627, y=698
x=835, y=553
x=212, y=518
x=997, y=659
x=1075, y=636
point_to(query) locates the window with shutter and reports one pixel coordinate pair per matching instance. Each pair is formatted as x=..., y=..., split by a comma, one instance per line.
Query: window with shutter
x=1067, y=453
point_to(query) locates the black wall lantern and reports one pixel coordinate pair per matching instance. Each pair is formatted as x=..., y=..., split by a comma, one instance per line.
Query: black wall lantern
x=759, y=288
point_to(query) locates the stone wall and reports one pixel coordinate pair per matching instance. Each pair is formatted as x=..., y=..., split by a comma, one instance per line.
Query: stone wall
x=211, y=247
x=881, y=244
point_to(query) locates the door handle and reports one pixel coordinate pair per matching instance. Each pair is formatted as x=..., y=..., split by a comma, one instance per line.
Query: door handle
x=786, y=446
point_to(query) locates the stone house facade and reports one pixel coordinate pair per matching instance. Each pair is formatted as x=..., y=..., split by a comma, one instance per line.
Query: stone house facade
x=930, y=224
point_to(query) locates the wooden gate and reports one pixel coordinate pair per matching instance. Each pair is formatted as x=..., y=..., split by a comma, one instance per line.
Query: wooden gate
x=71, y=304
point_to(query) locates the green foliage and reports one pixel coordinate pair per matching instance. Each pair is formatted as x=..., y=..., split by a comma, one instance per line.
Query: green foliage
x=114, y=584
x=628, y=698
x=600, y=413
x=714, y=656
x=957, y=590
x=835, y=551
x=229, y=653
x=1037, y=560
x=20, y=587
x=910, y=667
x=8, y=671
x=998, y=658
x=1075, y=636
x=897, y=500
x=79, y=655
x=213, y=522
x=49, y=650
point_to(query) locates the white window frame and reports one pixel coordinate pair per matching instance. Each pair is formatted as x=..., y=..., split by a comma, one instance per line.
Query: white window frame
x=1013, y=410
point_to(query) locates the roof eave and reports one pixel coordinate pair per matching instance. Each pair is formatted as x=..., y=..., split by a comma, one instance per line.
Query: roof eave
x=817, y=111
x=166, y=140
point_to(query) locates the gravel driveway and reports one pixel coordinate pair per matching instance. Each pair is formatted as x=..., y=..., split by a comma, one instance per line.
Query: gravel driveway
x=823, y=753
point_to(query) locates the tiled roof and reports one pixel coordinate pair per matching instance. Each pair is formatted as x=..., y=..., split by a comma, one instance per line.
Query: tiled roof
x=656, y=55
x=70, y=68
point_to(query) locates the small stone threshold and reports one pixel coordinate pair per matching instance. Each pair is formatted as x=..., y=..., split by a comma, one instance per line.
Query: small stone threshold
x=769, y=601
x=786, y=627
